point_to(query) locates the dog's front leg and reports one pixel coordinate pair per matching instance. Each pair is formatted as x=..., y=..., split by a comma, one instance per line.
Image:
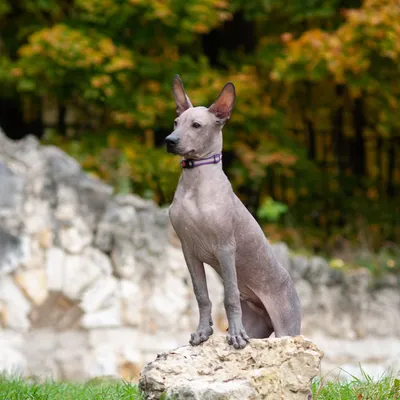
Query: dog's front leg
x=237, y=335
x=197, y=273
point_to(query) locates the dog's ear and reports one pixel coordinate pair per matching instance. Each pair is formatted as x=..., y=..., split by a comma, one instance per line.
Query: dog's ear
x=181, y=99
x=223, y=106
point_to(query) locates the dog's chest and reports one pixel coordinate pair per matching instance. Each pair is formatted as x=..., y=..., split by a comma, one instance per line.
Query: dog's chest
x=197, y=223
x=187, y=215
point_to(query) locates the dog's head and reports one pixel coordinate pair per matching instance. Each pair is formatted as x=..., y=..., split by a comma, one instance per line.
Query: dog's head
x=197, y=130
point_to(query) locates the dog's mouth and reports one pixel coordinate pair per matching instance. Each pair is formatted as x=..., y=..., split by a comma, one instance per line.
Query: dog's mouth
x=175, y=149
x=172, y=148
x=189, y=154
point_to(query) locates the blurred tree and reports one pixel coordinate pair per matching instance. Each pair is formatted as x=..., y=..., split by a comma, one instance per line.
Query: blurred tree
x=316, y=125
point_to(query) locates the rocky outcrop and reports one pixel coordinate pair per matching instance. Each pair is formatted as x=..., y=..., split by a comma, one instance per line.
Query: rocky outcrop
x=88, y=276
x=265, y=369
x=350, y=305
x=94, y=280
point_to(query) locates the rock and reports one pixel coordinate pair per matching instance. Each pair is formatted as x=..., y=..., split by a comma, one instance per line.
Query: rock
x=36, y=258
x=298, y=267
x=131, y=302
x=320, y=273
x=105, y=318
x=21, y=154
x=70, y=355
x=114, y=351
x=11, y=189
x=123, y=257
x=37, y=217
x=383, y=305
x=59, y=166
x=33, y=284
x=41, y=355
x=115, y=235
x=77, y=276
x=17, y=307
x=305, y=293
x=93, y=197
x=165, y=305
x=55, y=269
x=75, y=235
x=89, y=266
x=13, y=252
x=56, y=312
x=12, y=360
x=135, y=201
x=279, y=368
x=116, y=339
x=101, y=362
x=98, y=293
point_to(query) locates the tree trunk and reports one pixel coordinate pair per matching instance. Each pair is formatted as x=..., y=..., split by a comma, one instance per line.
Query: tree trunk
x=358, y=151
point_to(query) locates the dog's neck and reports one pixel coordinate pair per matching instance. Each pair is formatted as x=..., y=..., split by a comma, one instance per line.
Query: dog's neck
x=203, y=174
x=194, y=163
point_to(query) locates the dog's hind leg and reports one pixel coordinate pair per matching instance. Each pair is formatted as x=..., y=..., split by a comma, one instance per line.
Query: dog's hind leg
x=283, y=307
x=257, y=324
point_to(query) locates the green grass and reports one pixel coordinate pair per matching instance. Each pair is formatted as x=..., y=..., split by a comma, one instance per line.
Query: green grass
x=385, y=388
x=99, y=389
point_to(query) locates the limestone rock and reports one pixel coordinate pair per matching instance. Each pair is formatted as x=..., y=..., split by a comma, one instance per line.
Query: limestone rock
x=55, y=269
x=41, y=355
x=298, y=267
x=34, y=285
x=12, y=360
x=123, y=257
x=104, y=318
x=36, y=259
x=320, y=273
x=56, y=312
x=17, y=307
x=101, y=362
x=70, y=355
x=75, y=235
x=11, y=189
x=131, y=302
x=93, y=197
x=89, y=266
x=97, y=294
x=165, y=305
x=13, y=251
x=278, y=368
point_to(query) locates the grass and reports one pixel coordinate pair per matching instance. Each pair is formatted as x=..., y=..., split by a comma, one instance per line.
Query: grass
x=386, y=388
x=97, y=389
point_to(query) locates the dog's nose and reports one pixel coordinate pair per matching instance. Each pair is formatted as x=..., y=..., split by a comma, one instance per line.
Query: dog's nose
x=171, y=141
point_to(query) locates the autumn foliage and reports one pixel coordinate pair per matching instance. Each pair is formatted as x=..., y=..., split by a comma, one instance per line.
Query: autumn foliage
x=315, y=131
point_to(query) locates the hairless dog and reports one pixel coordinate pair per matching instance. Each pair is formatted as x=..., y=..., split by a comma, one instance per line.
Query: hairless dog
x=217, y=229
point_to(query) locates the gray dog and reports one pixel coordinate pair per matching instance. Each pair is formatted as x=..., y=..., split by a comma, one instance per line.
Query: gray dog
x=216, y=228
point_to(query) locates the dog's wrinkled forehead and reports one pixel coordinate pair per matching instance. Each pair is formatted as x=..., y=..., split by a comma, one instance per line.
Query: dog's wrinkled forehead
x=196, y=114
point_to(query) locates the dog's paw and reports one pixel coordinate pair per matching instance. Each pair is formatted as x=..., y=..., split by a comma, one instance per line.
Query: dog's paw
x=237, y=337
x=201, y=335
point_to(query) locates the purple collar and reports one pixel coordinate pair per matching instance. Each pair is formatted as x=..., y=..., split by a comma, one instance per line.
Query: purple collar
x=215, y=159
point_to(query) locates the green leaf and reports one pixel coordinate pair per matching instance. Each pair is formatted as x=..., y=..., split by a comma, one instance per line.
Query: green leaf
x=271, y=210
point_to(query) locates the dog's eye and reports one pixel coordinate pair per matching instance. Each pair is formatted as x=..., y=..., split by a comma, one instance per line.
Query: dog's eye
x=175, y=123
x=196, y=125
